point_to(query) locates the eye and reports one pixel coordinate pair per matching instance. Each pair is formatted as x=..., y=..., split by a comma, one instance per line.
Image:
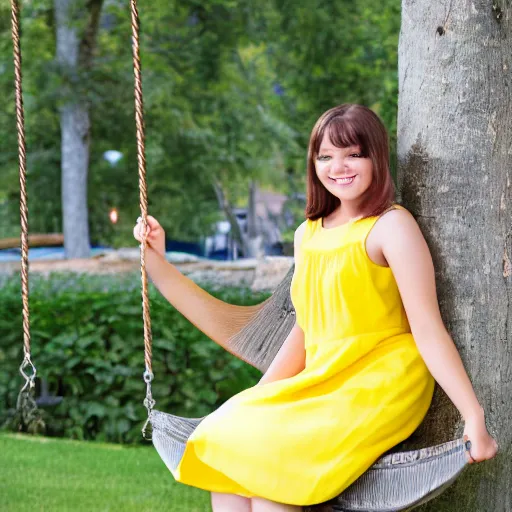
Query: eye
x=323, y=158
x=356, y=155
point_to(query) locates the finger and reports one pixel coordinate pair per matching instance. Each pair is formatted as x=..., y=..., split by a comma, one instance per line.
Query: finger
x=152, y=222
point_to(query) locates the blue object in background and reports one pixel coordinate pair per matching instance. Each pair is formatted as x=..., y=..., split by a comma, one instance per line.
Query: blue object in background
x=44, y=253
x=188, y=247
x=278, y=89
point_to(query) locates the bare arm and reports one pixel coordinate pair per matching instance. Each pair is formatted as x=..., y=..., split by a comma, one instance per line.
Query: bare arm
x=408, y=256
x=291, y=358
x=216, y=318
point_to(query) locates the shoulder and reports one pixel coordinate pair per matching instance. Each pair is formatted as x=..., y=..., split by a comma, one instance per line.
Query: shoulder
x=395, y=232
x=299, y=236
x=396, y=221
x=399, y=236
x=299, y=233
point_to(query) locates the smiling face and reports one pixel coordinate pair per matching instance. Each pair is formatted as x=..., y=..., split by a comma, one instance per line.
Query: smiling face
x=348, y=162
x=346, y=172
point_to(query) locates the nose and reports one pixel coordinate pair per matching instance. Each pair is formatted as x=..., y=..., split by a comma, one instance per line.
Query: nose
x=339, y=164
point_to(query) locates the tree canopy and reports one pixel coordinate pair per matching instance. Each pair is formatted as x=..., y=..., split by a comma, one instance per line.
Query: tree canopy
x=232, y=90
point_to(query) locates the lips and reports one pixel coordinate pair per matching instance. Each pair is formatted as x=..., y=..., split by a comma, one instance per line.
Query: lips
x=345, y=180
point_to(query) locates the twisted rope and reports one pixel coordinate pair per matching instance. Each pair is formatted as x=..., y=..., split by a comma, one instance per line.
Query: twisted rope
x=143, y=200
x=22, y=156
x=28, y=416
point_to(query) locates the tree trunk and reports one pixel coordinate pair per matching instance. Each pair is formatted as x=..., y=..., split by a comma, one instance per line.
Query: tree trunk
x=75, y=164
x=76, y=27
x=251, y=243
x=254, y=239
x=454, y=175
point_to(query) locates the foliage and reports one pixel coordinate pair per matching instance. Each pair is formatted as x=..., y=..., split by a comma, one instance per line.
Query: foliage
x=87, y=342
x=232, y=89
x=332, y=52
x=42, y=128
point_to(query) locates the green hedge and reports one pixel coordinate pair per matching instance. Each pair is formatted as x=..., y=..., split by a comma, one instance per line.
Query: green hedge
x=87, y=342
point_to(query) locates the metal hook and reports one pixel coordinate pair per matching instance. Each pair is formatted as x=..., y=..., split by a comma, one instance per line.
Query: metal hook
x=149, y=402
x=147, y=438
x=29, y=379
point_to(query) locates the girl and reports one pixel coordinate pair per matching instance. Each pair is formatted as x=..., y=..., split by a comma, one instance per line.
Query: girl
x=355, y=376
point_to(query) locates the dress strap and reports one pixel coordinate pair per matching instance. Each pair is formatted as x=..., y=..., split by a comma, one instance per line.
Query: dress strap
x=364, y=226
x=394, y=206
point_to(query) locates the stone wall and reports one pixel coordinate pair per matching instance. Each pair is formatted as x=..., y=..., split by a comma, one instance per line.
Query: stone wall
x=262, y=274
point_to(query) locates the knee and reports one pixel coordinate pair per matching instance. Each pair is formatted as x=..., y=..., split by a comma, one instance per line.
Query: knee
x=230, y=503
x=263, y=505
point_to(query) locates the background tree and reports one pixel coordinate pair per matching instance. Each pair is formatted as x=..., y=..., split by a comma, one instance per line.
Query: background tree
x=76, y=25
x=331, y=52
x=41, y=119
x=454, y=129
x=232, y=89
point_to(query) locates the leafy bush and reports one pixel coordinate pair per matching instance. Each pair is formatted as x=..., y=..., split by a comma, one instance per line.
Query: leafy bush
x=87, y=343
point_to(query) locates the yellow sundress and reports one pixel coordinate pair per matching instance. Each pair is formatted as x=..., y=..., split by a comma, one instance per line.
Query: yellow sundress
x=365, y=387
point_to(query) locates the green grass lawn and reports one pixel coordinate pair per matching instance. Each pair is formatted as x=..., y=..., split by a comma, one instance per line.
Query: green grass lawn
x=38, y=473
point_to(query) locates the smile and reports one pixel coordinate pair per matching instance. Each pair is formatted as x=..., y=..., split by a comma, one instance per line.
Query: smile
x=343, y=181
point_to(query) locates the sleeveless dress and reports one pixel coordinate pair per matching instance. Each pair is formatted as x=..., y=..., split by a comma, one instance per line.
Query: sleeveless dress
x=365, y=387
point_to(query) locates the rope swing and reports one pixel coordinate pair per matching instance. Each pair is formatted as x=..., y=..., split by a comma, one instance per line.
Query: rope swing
x=397, y=481
x=27, y=416
x=149, y=403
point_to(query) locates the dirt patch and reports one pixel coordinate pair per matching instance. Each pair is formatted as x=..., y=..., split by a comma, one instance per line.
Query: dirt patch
x=81, y=265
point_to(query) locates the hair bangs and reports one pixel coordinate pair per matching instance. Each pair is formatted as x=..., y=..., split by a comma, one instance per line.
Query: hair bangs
x=342, y=133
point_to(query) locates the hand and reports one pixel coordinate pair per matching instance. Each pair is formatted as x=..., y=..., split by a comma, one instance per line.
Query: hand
x=155, y=235
x=483, y=446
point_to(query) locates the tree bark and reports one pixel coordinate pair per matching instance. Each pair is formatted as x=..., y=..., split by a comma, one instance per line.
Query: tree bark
x=454, y=175
x=76, y=28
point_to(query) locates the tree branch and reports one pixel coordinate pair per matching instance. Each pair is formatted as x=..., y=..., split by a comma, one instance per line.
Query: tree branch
x=88, y=42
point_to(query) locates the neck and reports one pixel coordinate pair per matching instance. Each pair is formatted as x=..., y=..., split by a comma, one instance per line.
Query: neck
x=348, y=210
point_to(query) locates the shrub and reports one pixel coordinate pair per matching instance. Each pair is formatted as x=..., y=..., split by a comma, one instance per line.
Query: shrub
x=87, y=343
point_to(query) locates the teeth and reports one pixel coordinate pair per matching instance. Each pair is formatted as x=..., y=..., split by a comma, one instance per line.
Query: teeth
x=343, y=180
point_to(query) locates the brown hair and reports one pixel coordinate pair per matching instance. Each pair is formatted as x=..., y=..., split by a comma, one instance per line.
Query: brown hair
x=348, y=125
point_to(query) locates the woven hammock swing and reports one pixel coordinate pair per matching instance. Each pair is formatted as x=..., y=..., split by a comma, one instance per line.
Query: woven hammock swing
x=397, y=481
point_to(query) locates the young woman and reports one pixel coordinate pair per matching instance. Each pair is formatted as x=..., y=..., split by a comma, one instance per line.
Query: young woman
x=355, y=376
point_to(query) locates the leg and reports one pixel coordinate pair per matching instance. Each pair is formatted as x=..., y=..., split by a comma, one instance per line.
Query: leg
x=262, y=505
x=230, y=503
